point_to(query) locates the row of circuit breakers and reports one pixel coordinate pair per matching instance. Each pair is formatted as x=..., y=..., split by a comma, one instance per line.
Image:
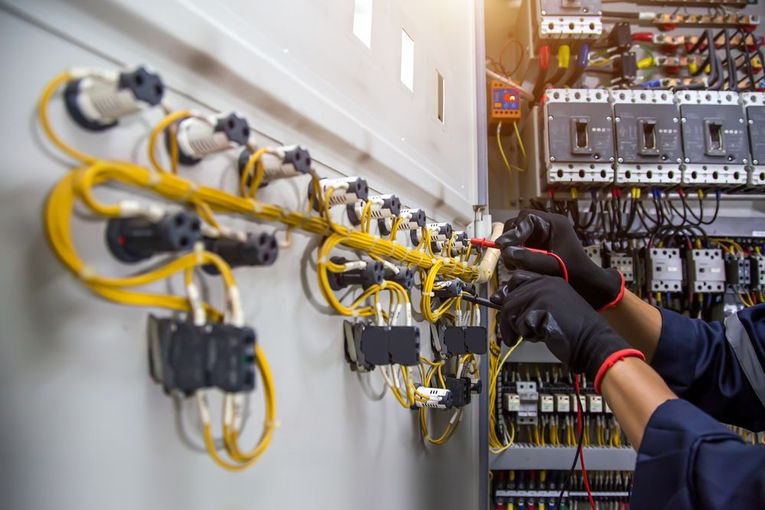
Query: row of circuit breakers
x=598, y=137
x=702, y=271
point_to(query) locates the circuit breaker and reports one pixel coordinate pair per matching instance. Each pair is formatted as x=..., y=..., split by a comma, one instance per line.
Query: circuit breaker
x=665, y=269
x=625, y=264
x=579, y=146
x=505, y=102
x=754, y=104
x=648, y=143
x=715, y=144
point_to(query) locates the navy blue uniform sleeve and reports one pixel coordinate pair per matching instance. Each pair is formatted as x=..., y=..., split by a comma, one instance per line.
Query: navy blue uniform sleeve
x=699, y=365
x=688, y=461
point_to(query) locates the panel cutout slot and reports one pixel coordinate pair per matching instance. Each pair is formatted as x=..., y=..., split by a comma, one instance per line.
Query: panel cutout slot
x=647, y=134
x=580, y=135
x=407, y=60
x=440, y=98
x=715, y=138
x=362, y=21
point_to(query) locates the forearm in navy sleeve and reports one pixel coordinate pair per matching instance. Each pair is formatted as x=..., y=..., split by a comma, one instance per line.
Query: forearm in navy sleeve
x=688, y=461
x=699, y=365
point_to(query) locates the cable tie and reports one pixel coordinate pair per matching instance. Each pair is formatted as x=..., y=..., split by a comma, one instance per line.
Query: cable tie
x=87, y=273
x=154, y=178
x=257, y=207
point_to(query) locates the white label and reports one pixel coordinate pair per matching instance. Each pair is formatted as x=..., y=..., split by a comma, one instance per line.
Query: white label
x=758, y=233
x=563, y=403
x=595, y=404
x=546, y=403
x=513, y=402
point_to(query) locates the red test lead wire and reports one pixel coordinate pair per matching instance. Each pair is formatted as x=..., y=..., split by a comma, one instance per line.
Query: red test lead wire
x=579, y=427
x=485, y=243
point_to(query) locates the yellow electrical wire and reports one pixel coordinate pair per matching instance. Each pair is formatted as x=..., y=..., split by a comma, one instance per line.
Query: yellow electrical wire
x=520, y=143
x=159, y=130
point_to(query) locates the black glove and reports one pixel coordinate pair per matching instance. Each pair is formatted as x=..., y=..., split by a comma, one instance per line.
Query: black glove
x=546, y=309
x=602, y=288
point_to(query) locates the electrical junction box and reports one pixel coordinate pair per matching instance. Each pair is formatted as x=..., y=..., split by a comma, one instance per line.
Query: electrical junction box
x=569, y=19
x=593, y=252
x=648, y=140
x=715, y=146
x=706, y=271
x=505, y=102
x=579, y=146
x=624, y=264
x=754, y=105
x=665, y=269
x=738, y=274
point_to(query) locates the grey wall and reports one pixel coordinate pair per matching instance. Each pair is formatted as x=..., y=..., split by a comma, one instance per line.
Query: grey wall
x=82, y=425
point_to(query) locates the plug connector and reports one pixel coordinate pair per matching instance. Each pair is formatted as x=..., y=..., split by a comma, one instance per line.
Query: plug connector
x=360, y=272
x=199, y=136
x=257, y=250
x=134, y=239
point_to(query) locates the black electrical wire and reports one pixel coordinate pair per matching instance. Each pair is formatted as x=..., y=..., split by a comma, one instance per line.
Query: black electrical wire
x=579, y=439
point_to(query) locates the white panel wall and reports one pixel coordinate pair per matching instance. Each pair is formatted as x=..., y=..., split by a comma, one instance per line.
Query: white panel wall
x=82, y=425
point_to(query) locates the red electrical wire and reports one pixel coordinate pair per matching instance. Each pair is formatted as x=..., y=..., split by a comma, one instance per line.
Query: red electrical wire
x=485, y=243
x=579, y=426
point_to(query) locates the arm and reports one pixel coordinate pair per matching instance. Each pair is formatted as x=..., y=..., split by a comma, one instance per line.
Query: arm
x=636, y=321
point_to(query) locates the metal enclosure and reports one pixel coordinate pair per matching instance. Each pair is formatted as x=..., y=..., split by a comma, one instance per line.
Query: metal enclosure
x=83, y=425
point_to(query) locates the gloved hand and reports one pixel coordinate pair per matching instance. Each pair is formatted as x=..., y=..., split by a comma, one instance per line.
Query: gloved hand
x=602, y=288
x=546, y=309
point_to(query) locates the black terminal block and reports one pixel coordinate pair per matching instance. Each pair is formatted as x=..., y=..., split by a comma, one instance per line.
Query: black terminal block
x=147, y=88
x=404, y=277
x=185, y=358
x=367, y=346
x=134, y=239
x=620, y=36
x=449, y=289
x=459, y=340
x=625, y=66
x=462, y=389
x=258, y=250
x=372, y=274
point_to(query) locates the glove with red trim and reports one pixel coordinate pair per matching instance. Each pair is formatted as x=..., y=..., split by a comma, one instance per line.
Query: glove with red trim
x=546, y=309
x=602, y=288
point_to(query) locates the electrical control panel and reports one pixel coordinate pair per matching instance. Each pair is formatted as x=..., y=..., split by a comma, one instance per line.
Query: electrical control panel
x=579, y=146
x=754, y=104
x=648, y=140
x=623, y=263
x=569, y=19
x=706, y=271
x=715, y=144
x=665, y=269
x=594, y=252
x=738, y=274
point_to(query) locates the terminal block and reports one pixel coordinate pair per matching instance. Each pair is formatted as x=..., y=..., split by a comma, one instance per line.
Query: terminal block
x=135, y=239
x=357, y=272
x=401, y=275
x=381, y=207
x=569, y=19
x=410, y=220
x=623, y=263
x=460, y=242
x=461, y=389
x=367, y=346
x=439, y=234
x=648, y=141
x=447, y=289
x=754, y=104
x=343, y=191
x=715, y=146
x=458, y=340
x=738, y=275
x=579, y=146
x=97, y=99
x=255, y=250
x=279, y=163
x=665, y=270
x=200, y=136
x=706, y=271
x=437, y=398
x=185, y=358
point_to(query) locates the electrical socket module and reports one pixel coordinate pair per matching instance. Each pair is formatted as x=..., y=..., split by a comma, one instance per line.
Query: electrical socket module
x=754, y=104
x=579, y=146
x=625, y=264
x=569, y=19
x=715, y=144
x=648, y=143
x=706, y=271
x=665, y=269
